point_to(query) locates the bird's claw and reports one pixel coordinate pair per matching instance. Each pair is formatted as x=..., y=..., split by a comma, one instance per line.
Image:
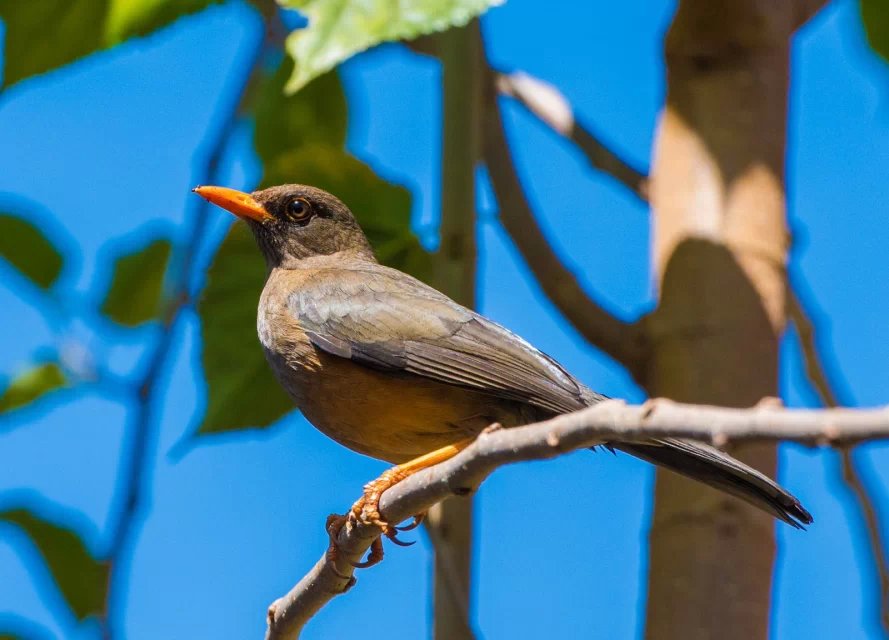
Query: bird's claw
x=392, y=534
x=418, y=520
x=374, y=557
x=366, y=511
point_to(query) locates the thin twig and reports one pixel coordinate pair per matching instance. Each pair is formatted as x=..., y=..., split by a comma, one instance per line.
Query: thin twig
x=854, y=480
x=815, y=370
x=135, y=470
x=623, y=341
x=550, y=106
x=852, y=476
x=605, y=422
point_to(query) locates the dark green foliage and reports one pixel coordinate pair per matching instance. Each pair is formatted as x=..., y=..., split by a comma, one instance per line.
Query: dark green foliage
x=136, y=292
x=31, y=385
x=241, y=390
x=80, y=577
x=25, y=247
x=875, y=14
x=42, y=35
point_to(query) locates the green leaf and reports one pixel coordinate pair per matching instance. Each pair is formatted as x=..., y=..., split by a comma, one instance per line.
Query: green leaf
x=25, y=247
x=338, y=29
x=318, y=113
x=45, y=34
x=42, y=35
x=128, y=18
x=137, y=282
x=875, y=14
x=31, y=385
x=80, y=577
x=242, y=392
x=383, y=209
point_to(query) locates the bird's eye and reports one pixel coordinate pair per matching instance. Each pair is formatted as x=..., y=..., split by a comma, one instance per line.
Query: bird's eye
x=299, y=210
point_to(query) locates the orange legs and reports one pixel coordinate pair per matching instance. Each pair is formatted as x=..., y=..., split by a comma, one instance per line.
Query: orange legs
x=366, y=509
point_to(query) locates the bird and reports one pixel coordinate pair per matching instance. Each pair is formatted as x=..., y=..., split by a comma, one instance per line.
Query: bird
x=394, y=369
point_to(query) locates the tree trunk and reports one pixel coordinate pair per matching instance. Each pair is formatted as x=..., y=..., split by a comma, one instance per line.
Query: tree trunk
x=719, y=249
x=450, y=522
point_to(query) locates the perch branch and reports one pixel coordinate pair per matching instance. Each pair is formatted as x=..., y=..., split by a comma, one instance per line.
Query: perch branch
x=851, y=474
x=608, y=421
x=623, y=341
x=551, y=107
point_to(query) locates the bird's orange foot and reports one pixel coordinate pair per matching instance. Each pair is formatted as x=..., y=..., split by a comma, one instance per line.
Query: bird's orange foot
x=367, y=509
x=335, y=523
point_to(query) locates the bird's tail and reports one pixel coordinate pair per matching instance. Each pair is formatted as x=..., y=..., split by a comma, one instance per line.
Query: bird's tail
x=719, y=470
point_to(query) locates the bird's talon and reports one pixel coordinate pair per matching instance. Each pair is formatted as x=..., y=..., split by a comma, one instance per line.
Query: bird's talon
x=418, y=520
x=374, y=557
x=392, y=534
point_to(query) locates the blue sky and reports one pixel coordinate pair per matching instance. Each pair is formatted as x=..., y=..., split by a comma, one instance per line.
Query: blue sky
x=106, y=148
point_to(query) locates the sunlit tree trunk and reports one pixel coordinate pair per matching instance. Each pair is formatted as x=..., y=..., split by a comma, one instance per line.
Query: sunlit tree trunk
x=720, y=244
x=450, y=522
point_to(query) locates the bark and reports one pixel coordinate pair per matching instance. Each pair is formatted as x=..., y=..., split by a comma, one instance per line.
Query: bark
x=719, y=250
x=450, y=522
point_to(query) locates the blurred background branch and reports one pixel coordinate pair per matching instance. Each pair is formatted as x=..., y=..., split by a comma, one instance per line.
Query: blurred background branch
x=135, y=478
x=826, y=386
x=552, y=108
x=623, y=341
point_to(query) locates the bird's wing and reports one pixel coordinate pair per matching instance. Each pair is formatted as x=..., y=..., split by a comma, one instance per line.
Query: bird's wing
x=384, y=319
x=387, y=320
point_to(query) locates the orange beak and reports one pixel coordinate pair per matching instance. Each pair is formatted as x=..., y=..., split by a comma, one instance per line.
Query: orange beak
x=237, y=202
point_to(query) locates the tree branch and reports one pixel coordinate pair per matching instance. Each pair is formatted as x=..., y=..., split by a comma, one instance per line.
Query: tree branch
x=805, y=328
x=623, y=341
x=135, y=469
x=870, y=521
x=608, y=421
x=549, y=105
x=851, y=474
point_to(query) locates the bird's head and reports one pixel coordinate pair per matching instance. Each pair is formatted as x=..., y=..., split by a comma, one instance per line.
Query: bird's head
x=293, y=222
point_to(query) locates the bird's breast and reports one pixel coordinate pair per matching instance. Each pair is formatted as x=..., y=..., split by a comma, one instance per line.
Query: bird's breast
x=290, y=353
x=388, y=415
